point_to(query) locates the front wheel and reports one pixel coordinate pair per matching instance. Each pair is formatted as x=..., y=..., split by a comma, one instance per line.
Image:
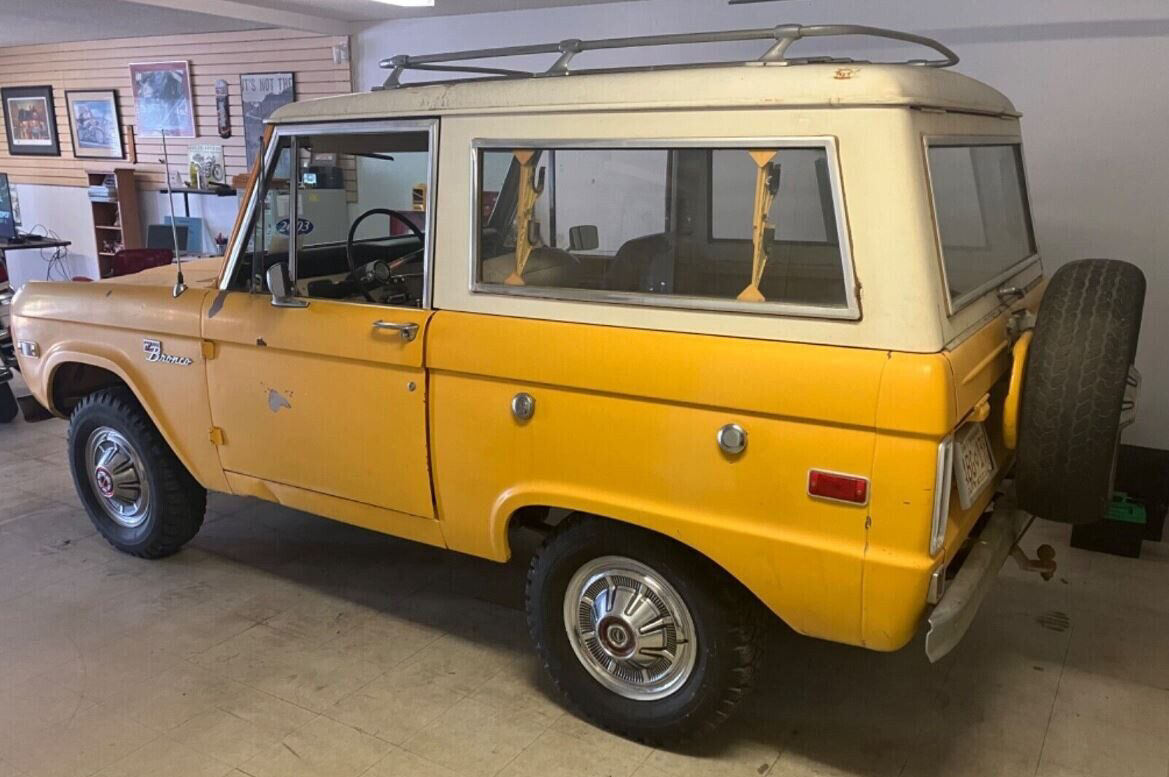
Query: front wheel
x=647, y=638
x=136, y=491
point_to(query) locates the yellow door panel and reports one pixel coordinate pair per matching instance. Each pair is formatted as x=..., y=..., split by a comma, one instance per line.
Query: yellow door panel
x=320, y=399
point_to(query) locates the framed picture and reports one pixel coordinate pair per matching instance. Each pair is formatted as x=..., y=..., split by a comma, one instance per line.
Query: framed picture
x=95, y=124
x=29, y=120
x=261, y=94
x=162, y=99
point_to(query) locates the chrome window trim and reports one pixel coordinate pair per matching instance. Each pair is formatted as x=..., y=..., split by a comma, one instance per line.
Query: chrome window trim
x=431, y=126
x=956, y=304
x=943, y=484
x=850, y=311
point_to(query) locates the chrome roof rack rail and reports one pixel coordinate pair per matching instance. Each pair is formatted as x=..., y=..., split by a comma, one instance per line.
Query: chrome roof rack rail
x=781, y=38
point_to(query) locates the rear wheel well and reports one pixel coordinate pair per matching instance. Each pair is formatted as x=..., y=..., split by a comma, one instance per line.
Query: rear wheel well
x=73, y=381
x=543, y=519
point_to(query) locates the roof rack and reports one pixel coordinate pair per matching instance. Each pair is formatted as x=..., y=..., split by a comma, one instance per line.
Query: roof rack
x=781, y=37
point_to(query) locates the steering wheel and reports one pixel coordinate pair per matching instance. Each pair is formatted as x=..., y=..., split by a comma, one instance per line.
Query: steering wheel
x=393, y=214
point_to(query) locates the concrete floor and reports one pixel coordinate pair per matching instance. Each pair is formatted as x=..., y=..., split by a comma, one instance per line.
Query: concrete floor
x=278, y=644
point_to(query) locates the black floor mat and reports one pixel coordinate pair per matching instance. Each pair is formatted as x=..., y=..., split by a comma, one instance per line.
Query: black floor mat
x=32, y=410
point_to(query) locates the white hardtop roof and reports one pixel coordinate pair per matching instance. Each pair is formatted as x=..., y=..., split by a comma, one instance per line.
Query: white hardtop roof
x=752, y=85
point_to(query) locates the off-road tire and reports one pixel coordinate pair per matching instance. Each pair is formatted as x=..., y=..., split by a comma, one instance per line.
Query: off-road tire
x=177, y=501
x=8, y=405
x=729, y=631
x=1074, y=380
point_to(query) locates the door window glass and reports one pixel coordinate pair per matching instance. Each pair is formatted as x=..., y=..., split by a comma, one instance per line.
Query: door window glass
x=357, y=213
x=361, y=216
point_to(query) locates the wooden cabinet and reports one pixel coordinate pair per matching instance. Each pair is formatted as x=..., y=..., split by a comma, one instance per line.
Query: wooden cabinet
x=117, y=223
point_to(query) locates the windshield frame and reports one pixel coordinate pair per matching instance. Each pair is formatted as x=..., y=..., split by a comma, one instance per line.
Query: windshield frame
x=955, y=304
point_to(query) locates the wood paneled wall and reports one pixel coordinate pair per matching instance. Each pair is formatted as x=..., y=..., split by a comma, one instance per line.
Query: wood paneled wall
x=104, y=64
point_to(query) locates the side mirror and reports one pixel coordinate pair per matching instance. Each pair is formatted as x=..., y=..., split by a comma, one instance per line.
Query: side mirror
x=281, y=287
x=583, y=238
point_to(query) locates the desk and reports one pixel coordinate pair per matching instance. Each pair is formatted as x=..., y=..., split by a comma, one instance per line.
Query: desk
x=23, y=271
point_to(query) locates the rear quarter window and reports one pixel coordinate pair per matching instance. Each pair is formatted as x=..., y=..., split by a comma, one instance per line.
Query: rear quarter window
x=983, y=220
x=746, y=228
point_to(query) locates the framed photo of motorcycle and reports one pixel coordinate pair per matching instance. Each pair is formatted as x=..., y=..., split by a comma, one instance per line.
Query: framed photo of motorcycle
x=95, y=124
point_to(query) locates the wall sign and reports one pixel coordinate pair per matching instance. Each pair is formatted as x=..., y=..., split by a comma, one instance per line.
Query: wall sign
x=261, y=94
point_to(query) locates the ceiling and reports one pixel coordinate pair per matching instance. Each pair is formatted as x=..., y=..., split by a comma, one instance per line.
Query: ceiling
x=54, y=21
x=367, y=10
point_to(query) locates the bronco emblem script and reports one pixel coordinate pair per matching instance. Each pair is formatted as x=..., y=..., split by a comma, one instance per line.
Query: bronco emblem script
x=154, y=353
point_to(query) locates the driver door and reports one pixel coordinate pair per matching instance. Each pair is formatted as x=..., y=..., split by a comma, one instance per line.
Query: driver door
x=320, y=401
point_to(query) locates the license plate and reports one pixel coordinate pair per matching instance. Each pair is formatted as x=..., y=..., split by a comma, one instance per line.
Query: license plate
x=973, y=462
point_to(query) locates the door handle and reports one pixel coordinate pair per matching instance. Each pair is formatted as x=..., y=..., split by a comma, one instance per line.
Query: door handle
x=406, y=330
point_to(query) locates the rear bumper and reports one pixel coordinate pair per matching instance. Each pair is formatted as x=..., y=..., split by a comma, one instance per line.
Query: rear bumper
x=964, y=594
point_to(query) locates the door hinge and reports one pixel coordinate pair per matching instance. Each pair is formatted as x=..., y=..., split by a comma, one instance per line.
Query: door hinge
x=216, y=436
x=208, y=350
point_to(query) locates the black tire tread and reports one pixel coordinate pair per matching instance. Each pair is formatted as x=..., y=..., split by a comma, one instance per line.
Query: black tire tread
x=182, y=503
x=747, y=629
x=1073, y=385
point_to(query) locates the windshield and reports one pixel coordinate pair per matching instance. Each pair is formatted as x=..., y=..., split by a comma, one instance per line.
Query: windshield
x=980, y=200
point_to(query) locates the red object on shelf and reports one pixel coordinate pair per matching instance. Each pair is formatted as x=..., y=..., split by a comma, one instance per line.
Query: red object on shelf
x=132, y=260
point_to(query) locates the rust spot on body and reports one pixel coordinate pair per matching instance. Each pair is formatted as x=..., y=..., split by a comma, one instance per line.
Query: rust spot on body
x=277, y=401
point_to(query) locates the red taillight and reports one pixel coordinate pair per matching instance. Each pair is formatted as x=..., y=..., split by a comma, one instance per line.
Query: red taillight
x=843, y=488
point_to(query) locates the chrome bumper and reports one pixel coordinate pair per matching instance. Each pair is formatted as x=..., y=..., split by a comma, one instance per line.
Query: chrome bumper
x=958, y=606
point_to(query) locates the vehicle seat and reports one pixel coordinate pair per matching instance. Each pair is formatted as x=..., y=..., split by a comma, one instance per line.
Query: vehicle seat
x=633, y=265
x=547, y=266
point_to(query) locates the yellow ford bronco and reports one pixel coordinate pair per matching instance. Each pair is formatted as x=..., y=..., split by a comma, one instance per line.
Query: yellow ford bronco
x=743, y=339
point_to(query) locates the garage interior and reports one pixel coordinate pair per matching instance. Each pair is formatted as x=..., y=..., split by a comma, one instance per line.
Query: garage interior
x=278, y=644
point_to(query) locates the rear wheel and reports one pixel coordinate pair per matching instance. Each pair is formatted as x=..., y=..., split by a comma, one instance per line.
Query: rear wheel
x=136, y=491
x=646, y=637
x=1078, y=367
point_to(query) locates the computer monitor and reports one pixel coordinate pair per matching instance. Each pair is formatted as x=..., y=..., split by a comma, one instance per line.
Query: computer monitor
x=7, y=215
x=162, y=236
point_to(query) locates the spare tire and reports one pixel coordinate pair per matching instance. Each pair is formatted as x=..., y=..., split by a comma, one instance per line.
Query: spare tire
x=1074, y=381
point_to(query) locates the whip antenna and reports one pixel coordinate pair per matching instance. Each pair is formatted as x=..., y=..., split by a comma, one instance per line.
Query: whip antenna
x=180, y=286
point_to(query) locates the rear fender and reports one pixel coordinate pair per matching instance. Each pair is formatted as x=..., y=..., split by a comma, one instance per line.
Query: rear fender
x=798, y=577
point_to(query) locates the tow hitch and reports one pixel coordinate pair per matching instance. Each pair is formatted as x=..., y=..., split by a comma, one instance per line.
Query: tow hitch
x=1043, y=563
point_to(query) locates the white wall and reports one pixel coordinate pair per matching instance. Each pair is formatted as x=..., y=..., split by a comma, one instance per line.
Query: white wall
x=1087, y=76
x=66, y=211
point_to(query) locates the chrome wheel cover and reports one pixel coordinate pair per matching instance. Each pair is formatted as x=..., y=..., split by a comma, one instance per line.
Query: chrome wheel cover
x=629, y=628
x=118, y=477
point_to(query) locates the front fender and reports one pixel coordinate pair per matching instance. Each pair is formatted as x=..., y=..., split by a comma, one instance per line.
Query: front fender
x=175, y=398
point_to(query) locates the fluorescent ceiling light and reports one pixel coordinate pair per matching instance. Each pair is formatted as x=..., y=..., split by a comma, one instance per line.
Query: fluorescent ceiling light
x=409, y=3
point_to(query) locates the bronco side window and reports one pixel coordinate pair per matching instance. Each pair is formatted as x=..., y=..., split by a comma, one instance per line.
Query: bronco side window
x=346, y=207
x=751, y=228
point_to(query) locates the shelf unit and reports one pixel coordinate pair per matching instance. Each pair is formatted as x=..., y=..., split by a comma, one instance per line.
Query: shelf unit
x=117, y=220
